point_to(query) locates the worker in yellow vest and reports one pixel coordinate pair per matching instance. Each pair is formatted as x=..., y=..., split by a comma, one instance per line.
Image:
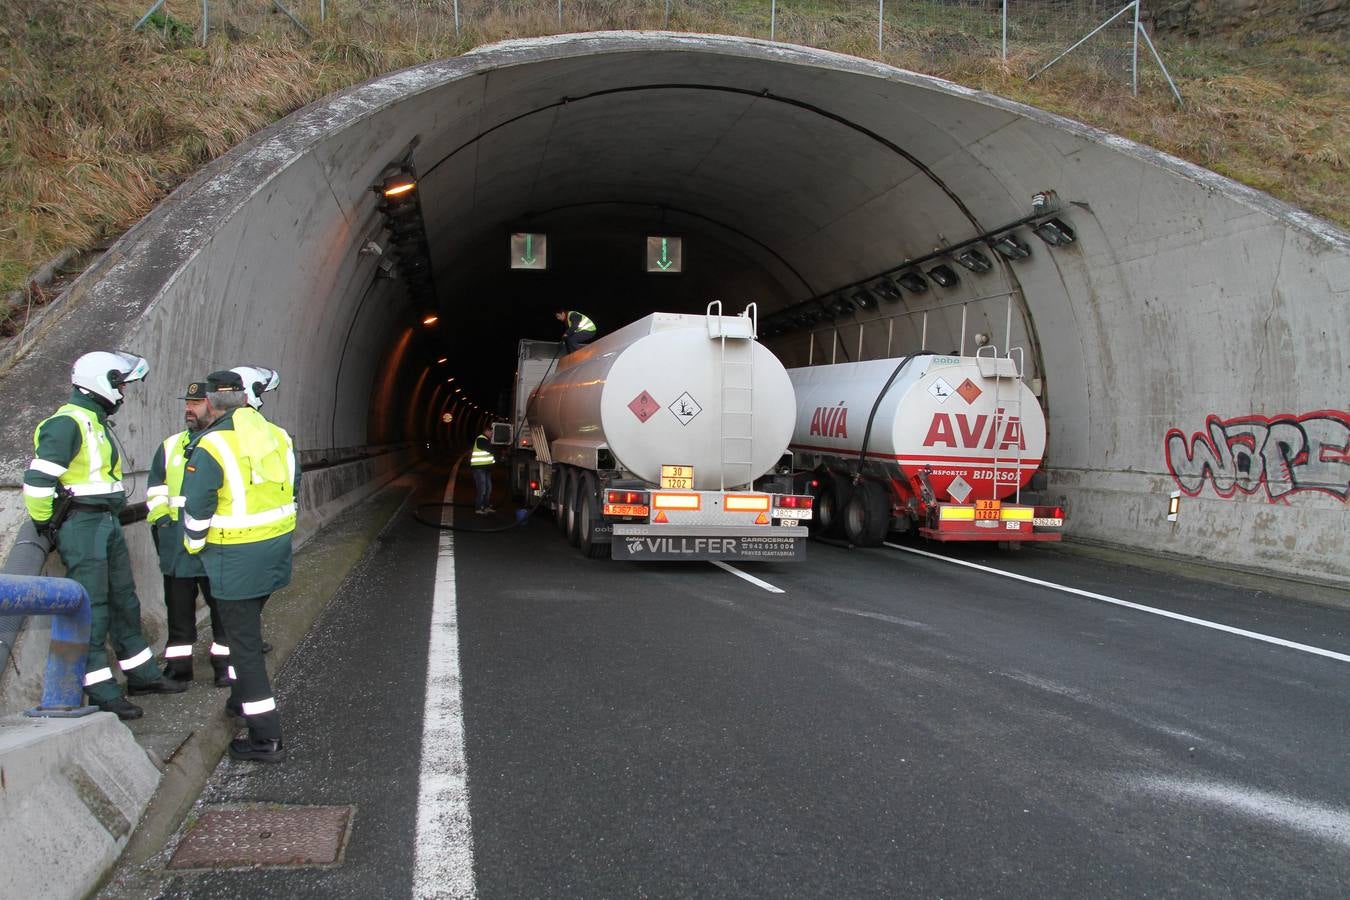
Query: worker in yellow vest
x=239, y=514
x=578, y=329
x=480, y=463
x=73, y=491
x=183, y=574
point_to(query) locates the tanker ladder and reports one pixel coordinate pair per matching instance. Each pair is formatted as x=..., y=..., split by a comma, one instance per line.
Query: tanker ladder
x=737, y=388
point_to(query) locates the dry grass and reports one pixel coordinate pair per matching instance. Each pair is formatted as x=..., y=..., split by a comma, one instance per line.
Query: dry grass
x=99, y=122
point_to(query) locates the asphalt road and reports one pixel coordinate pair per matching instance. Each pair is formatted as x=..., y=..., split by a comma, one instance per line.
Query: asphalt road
x=891, y=724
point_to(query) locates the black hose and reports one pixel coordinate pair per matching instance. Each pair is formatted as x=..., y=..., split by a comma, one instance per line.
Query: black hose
x=515, y=523
x=867, y=432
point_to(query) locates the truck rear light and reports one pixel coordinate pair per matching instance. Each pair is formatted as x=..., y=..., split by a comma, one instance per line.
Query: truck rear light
x=629, y=498
x=668, y=500
x=626, y=504
x=746, y=503
x=534, y=485
x=795, y=501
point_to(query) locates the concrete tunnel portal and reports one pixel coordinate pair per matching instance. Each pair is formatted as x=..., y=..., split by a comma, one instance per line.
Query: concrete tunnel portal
x=1187, y=305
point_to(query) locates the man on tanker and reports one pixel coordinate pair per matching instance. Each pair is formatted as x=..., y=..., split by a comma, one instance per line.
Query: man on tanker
x=577, y=328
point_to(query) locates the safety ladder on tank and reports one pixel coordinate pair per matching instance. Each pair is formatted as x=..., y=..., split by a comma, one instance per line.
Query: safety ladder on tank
x=1011, y=409
x=737, y=359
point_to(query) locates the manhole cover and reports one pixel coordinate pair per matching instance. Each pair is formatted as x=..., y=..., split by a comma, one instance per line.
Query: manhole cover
x=265, y=836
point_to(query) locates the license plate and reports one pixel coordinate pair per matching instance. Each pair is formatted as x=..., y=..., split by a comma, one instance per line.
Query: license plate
x=792, y=513
x=677, y=478
x=1048, y=523
x=619, y=509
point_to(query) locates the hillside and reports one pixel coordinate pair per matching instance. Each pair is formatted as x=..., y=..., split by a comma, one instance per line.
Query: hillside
x=101, y=122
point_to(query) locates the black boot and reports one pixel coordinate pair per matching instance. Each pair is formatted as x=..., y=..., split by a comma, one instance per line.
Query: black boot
x=258, y=751
x=222, y=676
x=123, y=707
x=161, y=685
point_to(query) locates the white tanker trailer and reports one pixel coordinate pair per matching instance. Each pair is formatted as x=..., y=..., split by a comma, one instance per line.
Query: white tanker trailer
x=938, y=444
x=648, y=443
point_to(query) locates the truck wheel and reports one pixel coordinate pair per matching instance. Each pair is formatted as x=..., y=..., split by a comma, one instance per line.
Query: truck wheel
x=573, y=496
x=561, y=485
x=831, y=497
x=867, y=516
x=588, y=514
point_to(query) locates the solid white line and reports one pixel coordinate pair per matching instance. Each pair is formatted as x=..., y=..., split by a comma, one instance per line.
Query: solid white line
x=1331, y=654
x=443, y=863
x=757, y=582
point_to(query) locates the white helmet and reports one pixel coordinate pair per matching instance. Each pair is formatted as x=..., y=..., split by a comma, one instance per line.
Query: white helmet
x=257, y=381
x=104, y=371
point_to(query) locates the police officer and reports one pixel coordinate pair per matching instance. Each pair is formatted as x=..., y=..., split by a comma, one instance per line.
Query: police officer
x=183, y=574
x=577, y=329
x=77, y=466
x=239, y=514
x=480, y=463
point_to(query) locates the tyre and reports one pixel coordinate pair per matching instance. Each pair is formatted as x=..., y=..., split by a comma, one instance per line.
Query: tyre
x=588, y=514
x=560, y=488
x=831, y=497
x=867, y=515
x=574, y=496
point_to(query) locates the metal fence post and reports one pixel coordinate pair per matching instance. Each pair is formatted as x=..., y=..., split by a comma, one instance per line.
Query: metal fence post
x=1005, y=30
x=457, y=19
x=665, y=22
x=1134, y=51
x=881, y=18
x=773, y=19
x=560, y=15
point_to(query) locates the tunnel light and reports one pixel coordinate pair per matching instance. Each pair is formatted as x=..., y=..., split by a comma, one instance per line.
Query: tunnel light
x=398, y=187
x=887, y=289
x=430, y=319
x=944, y=275
x=974, y=260
x=843, y=305
x=864, y=299
x=442, y=361
x=913, y=282
x=1055, y=232
x=1173, y=506
x=1010, y=246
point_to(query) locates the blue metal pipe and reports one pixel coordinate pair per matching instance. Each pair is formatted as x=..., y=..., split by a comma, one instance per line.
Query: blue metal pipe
x=67, y=602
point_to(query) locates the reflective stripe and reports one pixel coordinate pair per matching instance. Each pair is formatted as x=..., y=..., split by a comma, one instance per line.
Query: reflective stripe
x=97, y=676
x=34, y=491
x=258, y=707
x=224, y=455
x=159, y=490
x=156, y=502
x=247, y=521
x=136, y=660
x=220, y=650
x=177, y=502
x=56, y=470
x=583, y=321
x=192, y=524
x=194, y=544
x=229, y=670
x=177, y=651
x=95, y=488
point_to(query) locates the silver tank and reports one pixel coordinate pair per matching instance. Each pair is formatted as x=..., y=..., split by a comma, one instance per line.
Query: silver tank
x=670, y=389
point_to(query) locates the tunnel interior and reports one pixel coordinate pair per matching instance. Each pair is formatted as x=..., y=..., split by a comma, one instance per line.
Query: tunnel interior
x=792, y=177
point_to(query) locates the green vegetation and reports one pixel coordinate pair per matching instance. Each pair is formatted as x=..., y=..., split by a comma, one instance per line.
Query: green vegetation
x=100, y=122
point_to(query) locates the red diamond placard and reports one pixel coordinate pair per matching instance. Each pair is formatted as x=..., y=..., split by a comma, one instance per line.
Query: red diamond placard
x=969, y=391
x=644, y=406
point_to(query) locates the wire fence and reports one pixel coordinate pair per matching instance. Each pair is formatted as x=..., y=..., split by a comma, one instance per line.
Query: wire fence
x=1108, y=36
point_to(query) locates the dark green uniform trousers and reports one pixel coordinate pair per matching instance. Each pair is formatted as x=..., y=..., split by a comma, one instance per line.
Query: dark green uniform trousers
x=251, y=689
x=95, y=553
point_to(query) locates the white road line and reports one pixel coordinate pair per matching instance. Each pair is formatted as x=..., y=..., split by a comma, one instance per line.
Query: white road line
x=757, y=582
x=443, y=865
x=1331, y=654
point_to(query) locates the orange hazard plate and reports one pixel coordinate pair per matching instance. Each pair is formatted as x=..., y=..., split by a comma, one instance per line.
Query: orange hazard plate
x=618, y=509
x=987, y=509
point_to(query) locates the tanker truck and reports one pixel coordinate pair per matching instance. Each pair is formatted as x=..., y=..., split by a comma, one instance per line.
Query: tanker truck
x=941, y=445
x=664, y=440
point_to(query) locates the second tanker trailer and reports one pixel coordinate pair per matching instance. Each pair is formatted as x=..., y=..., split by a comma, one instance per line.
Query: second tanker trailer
x=941, y=445
x=651, y=443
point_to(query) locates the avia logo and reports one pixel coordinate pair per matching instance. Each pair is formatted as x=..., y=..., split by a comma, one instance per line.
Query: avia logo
x=958, y=430
x=830, y=421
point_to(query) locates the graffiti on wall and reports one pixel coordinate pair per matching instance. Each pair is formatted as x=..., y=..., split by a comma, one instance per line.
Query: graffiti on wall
x=1281, y=455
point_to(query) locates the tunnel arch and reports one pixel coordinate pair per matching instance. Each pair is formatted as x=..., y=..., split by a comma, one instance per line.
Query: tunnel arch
x=1186, y=299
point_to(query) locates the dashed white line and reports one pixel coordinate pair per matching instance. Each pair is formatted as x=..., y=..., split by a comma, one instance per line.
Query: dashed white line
x=443, y=865
x=1256, y=636
x=757, y=582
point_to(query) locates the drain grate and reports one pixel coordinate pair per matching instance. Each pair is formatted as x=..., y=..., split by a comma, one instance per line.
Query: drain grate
x=265, y=836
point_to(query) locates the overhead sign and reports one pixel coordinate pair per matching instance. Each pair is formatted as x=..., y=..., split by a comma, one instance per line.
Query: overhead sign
x=665, y=254
x=529, y=250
